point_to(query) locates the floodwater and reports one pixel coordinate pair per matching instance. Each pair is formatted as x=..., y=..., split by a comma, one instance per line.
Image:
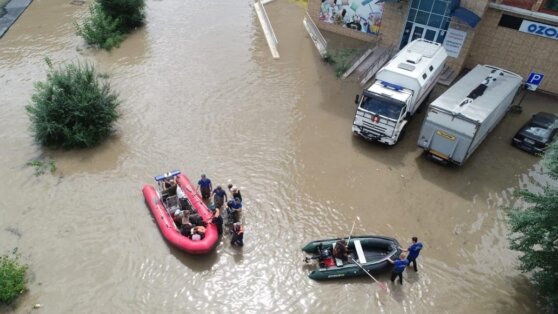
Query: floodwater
x=201, y=93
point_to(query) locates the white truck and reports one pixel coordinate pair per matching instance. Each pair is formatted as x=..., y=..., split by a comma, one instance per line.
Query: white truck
x=461, y=118
x=400, y=87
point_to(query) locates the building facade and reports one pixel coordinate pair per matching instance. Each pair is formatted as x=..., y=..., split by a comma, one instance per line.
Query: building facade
x=518, y=35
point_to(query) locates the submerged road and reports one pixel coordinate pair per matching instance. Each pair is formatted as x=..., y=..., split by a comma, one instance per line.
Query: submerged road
x=201, y=93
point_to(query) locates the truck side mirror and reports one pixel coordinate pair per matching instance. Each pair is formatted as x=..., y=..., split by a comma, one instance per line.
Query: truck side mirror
x=357, y=98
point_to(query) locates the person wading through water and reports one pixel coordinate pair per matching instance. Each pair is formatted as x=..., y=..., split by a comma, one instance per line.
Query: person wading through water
x=219, y=197
x=398, y=268
x=235, y=192
x=414, y=251
x=204, y=186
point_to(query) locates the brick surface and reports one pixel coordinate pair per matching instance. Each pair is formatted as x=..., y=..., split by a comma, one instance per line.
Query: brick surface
x=514, y=51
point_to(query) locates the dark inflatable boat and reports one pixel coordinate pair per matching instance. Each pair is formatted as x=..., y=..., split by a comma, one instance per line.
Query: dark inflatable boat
x=365, y=252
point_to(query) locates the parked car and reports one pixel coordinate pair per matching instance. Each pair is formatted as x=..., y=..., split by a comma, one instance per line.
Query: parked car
x=537, y=133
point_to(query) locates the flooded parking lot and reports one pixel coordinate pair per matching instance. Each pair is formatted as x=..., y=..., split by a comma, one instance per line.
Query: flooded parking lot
x=202, y=94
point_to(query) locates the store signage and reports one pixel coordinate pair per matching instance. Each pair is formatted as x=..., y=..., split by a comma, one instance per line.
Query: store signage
x=539, y=29
x=454, y=41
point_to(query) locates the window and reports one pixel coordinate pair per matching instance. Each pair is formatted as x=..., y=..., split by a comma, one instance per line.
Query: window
x=424, y=76
x=551, y=5
x=412, y=14
x=440, y=7
x=422, y=17
x=433, y=13
x=426, y=5
x=435, y=20
x=427, y=19
x=431, y=68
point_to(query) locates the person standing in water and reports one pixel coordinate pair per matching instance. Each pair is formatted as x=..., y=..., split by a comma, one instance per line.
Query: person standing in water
x=414, y=251
x=218, y=220
x=398, y=268
x=219, y=197
x=204, y=186
x=235, y=192
x=238, y=234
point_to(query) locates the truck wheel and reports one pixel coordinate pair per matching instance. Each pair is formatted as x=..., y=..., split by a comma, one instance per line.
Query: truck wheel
x=402, y=134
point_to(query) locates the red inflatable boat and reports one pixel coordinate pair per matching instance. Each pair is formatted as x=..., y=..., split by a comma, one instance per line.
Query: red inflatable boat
x=185, y=194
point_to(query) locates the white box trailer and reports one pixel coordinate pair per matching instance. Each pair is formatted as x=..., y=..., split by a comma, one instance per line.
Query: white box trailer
x=461, y=118
x=401, y=86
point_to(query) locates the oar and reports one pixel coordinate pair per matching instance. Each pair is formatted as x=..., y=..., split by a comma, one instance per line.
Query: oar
x=353, y=228
x=382, y=285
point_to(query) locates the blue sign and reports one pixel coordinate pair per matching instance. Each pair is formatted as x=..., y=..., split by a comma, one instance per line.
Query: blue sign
x=534, y=80
x=539, y=29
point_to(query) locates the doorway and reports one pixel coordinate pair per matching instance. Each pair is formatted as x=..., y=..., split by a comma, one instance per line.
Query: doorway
x=425, y=32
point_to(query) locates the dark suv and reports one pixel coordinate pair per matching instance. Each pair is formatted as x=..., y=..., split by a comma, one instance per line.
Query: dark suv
x=537, y=133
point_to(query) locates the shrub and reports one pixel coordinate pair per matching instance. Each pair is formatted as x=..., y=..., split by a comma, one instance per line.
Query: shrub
x=72, y=108
x=110, y=20
x=130, y=13
x=100, y=29
x=12, y=279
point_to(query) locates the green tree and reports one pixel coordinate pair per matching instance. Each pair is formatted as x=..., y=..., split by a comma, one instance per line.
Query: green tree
x=73, y=108
x=535, y=233
x=12, y=279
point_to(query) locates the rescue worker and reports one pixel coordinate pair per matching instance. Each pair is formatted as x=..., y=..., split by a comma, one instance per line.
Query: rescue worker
x=341, y=250
x=414, y=251
x=204, y=186
x=398, y=268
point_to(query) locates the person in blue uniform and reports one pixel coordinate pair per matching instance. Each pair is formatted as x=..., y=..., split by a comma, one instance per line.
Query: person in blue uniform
x=234, y=207
x=398, y=268
x=219, y=197
x=413, y=252
x=204, y=186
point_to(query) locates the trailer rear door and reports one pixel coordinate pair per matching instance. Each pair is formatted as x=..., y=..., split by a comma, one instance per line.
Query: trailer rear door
x=444, y=143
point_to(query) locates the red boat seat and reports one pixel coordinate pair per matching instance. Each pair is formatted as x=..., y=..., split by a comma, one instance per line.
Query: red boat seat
x=329, y=262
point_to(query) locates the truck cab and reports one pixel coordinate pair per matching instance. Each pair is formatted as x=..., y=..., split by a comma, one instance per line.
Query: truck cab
x=382, y=112
x=399, y=89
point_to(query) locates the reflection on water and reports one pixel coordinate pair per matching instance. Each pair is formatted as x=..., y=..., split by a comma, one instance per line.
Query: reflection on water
x=204, y=96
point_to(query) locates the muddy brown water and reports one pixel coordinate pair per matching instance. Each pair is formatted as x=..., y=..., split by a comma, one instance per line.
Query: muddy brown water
x=201, y=93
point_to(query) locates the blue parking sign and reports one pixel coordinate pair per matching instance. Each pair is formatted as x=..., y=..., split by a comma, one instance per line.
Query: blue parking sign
x=534, y=80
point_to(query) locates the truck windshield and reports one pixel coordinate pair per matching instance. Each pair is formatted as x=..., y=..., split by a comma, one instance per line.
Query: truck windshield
x=382, y=106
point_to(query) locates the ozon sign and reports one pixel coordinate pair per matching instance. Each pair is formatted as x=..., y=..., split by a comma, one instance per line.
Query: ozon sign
x=539, y=29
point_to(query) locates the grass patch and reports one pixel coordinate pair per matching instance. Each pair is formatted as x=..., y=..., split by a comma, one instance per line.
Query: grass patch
x=341, y=59
x=42, y=166
x=12, y=279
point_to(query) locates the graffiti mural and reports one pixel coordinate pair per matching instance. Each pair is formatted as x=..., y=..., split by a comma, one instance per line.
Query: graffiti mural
x=361, y=15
